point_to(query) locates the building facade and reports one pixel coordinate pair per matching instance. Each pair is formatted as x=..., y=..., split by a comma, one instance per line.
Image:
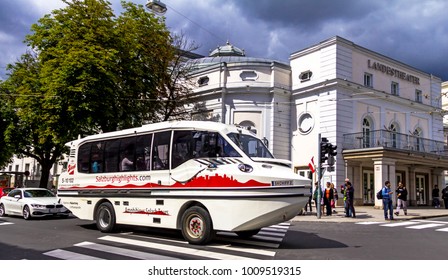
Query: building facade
x=385, y=117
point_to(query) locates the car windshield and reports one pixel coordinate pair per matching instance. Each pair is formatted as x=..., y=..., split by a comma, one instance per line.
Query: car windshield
x=252, y=146
x=37, y=193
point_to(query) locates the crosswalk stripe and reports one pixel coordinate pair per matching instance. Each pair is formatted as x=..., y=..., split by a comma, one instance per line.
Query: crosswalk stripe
x=123, y=252
x=259, y=237
x=399, y=224
x=424, y=226
x=177, y=249
x=6, y=223
x=442, y=229
x=67, y=255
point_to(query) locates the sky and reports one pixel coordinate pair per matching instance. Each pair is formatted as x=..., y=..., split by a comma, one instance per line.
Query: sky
x=414, y=32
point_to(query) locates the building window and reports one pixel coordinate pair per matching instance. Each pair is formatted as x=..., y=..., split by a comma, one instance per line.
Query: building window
x=418, y=96
x=203, y=81
x=305, y=76
x=395, y=138
x=394, y=88
x=249, y=76
x=366, y=128
x=368, y=80
x=418, y=133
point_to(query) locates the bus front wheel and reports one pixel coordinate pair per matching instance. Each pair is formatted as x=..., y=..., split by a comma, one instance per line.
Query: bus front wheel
x=197, y=226
x=105, y=217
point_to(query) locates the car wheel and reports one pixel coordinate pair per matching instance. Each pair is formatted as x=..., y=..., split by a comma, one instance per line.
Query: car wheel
x=26, y=212
x=2, y=210
x=105, y=217
x=197, y=226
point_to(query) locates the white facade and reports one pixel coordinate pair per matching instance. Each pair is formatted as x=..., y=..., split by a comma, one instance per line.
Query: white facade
x=385, y=116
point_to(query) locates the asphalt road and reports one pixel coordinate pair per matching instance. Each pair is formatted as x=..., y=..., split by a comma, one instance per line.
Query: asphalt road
x=48, y=239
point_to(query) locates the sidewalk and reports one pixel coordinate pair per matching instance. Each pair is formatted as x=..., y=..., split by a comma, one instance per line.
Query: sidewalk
x=369, y=214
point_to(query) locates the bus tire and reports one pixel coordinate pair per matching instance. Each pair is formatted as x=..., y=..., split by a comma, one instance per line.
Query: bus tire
x=197, y=226
x=247, y=233
x=105, y=217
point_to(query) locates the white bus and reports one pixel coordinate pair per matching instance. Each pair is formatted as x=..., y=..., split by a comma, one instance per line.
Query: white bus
x=198, y=177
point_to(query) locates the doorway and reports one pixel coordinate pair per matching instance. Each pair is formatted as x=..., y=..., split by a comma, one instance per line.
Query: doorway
x=368, y=182
x=420, y=189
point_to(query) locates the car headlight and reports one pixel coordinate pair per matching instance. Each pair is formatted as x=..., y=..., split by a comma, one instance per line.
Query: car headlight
x=40, y=206
x=245, y=167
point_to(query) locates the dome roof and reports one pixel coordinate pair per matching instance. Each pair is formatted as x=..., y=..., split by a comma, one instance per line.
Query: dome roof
x=227, y=50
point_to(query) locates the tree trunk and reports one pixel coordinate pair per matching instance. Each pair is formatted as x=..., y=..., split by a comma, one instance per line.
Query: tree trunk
x=45, y=176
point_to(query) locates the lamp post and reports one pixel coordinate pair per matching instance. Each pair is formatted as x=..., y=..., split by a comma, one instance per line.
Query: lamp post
x=156, y=6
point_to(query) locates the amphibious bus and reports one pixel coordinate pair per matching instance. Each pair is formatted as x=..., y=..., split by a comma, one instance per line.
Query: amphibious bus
x=195, y=176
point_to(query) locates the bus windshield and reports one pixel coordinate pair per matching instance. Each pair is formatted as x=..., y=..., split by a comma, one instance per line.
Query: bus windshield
x=252, y=146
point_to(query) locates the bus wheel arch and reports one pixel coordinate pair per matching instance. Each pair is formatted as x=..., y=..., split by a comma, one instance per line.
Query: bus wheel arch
x=196, y=224
x=104, y=216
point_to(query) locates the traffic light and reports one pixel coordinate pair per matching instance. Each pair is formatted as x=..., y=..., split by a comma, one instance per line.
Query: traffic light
x=331, y=150
x=323, y=150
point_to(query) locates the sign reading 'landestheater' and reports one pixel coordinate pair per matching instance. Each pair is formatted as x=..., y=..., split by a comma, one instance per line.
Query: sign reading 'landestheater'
x=393, y=72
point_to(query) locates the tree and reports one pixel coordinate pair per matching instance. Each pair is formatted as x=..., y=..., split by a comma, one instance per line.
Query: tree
x=89, y=71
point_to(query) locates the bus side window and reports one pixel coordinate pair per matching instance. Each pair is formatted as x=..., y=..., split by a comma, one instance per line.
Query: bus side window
x=143, y=152
x=111, y=155
x=182, y=147
x=83, y=158
x=127, y=154
x=161, y=150
x=96, y=157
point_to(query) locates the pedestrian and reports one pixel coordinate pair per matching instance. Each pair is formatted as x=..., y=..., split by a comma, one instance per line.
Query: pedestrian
x=402, y=197
x=387, y=201
x=328, y=197
x=309, y=204
x=435, y=197
x=335, y=198
x=445, y=196
x=349, y=197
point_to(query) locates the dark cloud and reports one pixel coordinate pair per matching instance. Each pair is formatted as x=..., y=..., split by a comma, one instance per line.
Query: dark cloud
x=411, y=31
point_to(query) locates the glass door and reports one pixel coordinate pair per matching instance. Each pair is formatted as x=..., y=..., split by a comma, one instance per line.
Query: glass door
x=420, y=189
x=368, y=187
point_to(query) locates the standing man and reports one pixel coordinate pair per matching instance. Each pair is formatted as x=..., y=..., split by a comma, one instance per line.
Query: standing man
x=402, y=197
x=445, y=196
x=387, y=201
x=349, y=196
x=435, y=197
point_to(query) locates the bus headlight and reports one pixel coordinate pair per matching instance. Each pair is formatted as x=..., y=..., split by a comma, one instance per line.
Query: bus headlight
x=245, y=167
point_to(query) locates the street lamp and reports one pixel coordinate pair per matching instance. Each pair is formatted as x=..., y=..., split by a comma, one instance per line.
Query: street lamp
x=156, y=6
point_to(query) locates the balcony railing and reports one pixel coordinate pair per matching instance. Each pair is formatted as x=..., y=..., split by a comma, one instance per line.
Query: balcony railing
x=393, y=140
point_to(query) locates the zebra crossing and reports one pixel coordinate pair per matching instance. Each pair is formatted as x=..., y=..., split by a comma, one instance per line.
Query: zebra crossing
x=3, y=223
x=128, y=246
x=412, y=224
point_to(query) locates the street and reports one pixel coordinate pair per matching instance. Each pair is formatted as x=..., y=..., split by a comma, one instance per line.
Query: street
x=48, y=239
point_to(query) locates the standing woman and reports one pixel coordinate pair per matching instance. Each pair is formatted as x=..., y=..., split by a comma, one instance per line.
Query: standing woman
x=402, y=197
x=335, y=197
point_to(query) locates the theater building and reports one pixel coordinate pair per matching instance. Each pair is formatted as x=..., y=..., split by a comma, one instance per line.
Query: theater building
x=385, y=116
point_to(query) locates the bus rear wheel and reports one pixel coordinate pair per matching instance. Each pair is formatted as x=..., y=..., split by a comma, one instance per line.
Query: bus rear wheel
x=197, y=226
x=105, y=217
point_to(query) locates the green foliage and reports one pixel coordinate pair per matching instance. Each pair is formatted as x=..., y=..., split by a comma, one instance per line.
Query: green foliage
x=90, y=71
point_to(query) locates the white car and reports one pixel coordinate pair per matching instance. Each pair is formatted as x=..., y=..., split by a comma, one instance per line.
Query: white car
x=31, y=202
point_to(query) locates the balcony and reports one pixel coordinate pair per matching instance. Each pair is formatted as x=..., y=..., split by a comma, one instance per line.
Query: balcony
x=393, y=141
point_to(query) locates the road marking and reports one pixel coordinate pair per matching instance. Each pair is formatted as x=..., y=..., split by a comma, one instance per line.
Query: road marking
x=425, y=226
x=67, y=255
x=123, y=252
x=159, y=246
x=6, y=223
x=442, y=229
x=399, y=224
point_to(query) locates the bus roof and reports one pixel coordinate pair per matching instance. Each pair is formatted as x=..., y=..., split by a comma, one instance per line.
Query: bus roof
x=199, y=125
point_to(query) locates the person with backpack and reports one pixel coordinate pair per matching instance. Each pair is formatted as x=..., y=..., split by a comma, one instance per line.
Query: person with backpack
x=402, y=197
x=387, y=201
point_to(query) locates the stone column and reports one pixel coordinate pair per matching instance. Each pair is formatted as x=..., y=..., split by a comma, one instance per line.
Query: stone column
x=384, y=170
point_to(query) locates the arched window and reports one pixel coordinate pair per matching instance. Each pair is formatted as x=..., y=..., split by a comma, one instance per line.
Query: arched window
x=366, y=133
x=395, y=138
x=418, y=133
